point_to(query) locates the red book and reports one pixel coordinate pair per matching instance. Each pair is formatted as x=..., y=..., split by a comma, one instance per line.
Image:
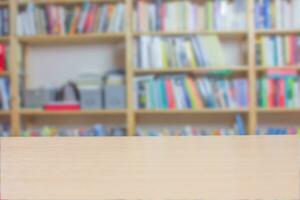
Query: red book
x=2, y=58
x=281, y=86
x=271, y=92
x=90, y=18
x=62, y=107
x=292, y=41
x=163, y=16
x=170, y=94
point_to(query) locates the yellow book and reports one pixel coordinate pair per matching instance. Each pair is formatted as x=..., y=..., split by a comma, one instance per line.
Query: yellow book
x=164, y=54
x=287, y=50
x=190, y=53
x=193, y=93
x=264, y=47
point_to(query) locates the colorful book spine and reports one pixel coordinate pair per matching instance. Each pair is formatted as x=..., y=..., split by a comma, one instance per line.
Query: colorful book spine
x=189, y=15
x=186, y=92
x=278, y=51
x=59, y=19
x=180, y=52
x=279, y=89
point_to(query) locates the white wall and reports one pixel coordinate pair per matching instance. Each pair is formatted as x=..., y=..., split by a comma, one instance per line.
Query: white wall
x=54, y=65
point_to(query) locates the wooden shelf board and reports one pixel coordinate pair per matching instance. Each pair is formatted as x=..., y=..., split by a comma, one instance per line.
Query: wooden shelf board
x=4, y=112
x=39, y=112
x=4, y=74
x=277, y=31
x=278, y=110
x=80, y=38
x=178, y=33
x=4, y=39
x=192, y=111
x=39, y=2
x=264, y=68
x=4, y=3
x=198, y=70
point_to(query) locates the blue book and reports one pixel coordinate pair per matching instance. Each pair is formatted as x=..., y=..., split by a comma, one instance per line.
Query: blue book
x=240, y=125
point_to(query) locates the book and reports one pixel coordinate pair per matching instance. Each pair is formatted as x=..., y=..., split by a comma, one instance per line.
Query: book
x=278, y=51
x=96, y=130
x=278, y=130
x=3, y=58
x=179, y=52
x=4, y=94
x=238, y=128
x=187, y=92
x=279, y=14
x=55, y=19
x=279, y=89
x=4, y=21
x=189, y=15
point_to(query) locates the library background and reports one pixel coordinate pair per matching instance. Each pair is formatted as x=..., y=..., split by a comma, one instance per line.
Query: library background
x=149, y=68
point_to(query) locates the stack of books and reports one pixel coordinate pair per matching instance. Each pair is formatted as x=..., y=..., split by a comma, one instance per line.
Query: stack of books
x=238, y=129
x=97, y=130
x=3, y=58
x=57, y=19
x=4, y=94
x=277, y=14
x=279, y=88
x=4, y=21
x=179, y=52
x=186, y=92
x=278, y=131
x=159, y=15
x=272, y=51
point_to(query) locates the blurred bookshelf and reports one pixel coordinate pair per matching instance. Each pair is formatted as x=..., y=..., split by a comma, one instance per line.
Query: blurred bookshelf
x=213, y=51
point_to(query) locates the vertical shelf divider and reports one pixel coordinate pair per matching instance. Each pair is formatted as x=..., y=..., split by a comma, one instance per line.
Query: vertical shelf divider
x=131, y=125
x=252, y=118
x=14, y=69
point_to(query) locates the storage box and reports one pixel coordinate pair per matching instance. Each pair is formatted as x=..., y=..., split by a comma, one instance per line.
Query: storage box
x=36, y=98
x=91, y=98
x=114, y=97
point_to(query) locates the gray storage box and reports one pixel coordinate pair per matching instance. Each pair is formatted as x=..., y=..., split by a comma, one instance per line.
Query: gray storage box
x=90, y=98
x=37, y=98
x=114, y=97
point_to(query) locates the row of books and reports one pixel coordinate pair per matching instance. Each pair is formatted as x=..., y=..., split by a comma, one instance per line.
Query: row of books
x=278, y=131
x=97, y=130
x=4, y=52
x=188, y=130
x=275, y=51
x=277, y=14
x=4, y=21
x=4, y=94
x=57, y=19
x=186, y=92
x=179, y=52
x=279, y=89
x=187, y=15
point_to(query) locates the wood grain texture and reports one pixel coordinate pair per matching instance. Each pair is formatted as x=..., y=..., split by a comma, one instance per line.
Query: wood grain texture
x=252, y=167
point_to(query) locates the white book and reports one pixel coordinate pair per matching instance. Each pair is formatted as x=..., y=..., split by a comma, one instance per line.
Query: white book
x=296, y=14
x=287, y=21
x=156, y=52
x=4, y=94
x=119, y=18
x=25, y=23
x=62, y=19
x=278, y=14
x=144, y=51
x=178, y=94
x=279, y=49
x=30, y=17
x=20, y=24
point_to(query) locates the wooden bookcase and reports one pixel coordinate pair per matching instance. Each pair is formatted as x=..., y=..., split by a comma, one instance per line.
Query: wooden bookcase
x=130, y=114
